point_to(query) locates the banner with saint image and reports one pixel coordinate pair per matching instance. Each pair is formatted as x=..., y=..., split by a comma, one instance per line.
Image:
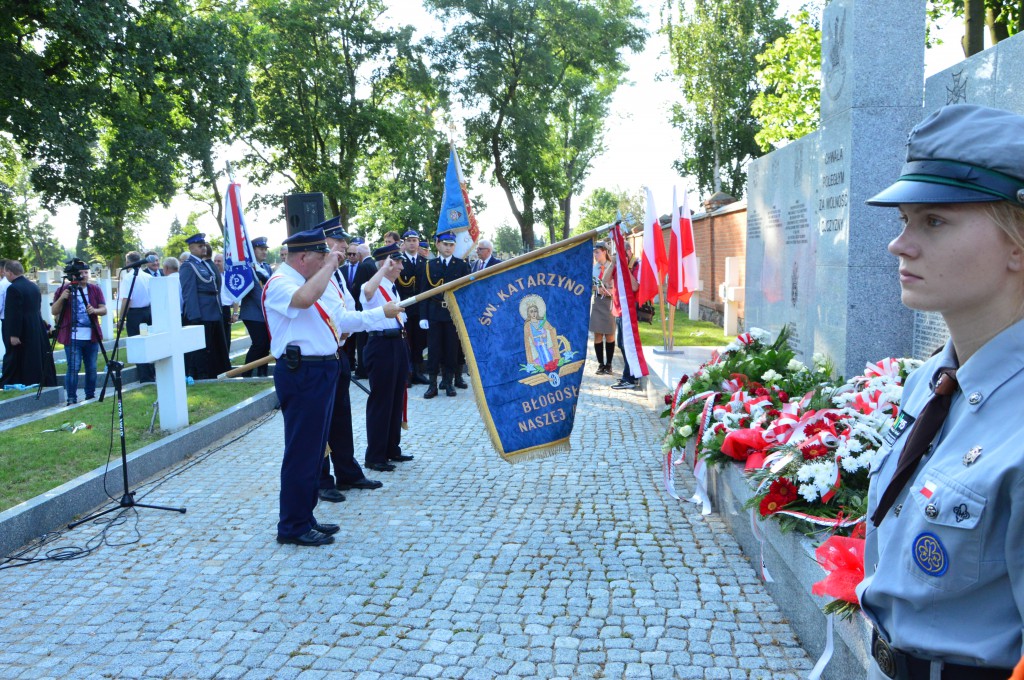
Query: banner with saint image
x=524, y=332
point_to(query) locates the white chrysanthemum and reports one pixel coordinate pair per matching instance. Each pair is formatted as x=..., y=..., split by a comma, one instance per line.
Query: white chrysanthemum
x=795, y=366
x=805, y=473
x=809, y=492
x=770, y=375
x=851, y=463
x=687, y=388
x=709, y=436
x=685, y=431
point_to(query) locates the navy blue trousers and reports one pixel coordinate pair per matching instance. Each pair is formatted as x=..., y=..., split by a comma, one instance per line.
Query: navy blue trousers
x=387, y=362
x=307, y=401
x=339, y=437
x=443, y=349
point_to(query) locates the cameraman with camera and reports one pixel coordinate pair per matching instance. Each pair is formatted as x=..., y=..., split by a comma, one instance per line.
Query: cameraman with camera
x=77, y=304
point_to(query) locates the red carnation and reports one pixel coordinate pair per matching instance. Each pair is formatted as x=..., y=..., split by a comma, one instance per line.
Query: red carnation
x=770, y=505
x=762, y=392
x=784, y=489
x=783, y=397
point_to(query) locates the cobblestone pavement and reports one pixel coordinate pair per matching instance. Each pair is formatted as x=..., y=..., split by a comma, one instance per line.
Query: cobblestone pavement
x=463, y=566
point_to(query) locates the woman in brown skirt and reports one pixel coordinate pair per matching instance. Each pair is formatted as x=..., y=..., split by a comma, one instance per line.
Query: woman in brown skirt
x=602, y=324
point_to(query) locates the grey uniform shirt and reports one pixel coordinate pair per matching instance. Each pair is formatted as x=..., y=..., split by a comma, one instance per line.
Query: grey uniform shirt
x=945, y=575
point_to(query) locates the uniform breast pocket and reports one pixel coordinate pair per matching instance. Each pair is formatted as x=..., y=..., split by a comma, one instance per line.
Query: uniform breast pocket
x=946, y=540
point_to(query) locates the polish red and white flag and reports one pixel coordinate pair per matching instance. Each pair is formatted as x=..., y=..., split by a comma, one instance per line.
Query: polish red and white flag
x=654, y=262
x=682, y=256
x=626, y=301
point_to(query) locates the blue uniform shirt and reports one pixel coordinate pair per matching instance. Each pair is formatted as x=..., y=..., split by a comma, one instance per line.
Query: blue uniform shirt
x=945, y=575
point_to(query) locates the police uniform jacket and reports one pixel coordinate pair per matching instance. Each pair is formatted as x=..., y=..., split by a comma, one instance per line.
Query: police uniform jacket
x=199, y=290
x=251, y=309
x=411, y=274
x=945, y=569
x=309, y=328
x=436, y=273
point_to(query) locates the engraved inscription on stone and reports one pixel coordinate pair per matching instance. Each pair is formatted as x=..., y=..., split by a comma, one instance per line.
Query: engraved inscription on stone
x=833, y=194
x=794, y=292
x=754, y=226
x=797, y=226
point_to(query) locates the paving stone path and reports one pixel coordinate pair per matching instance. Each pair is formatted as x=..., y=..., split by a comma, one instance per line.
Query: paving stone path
x=463, y=566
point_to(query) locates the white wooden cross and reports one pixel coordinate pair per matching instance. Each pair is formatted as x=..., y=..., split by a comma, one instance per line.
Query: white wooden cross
x=165, y=346
x=732, y=294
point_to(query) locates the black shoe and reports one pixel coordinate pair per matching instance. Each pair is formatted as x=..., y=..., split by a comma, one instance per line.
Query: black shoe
x=624, y=385
x=400, y=459
x=450, y=391
x=310, y=538
x=326, y=529
x=460, y=383
x=360, y=375
x=382, y=467
x=364, y=483
x=419, y=379
x=431, y=392
x=331, y=495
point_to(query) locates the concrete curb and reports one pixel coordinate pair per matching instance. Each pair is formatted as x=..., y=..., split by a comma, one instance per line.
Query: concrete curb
x=53, y=509
x=790, y=560
x=19, y=406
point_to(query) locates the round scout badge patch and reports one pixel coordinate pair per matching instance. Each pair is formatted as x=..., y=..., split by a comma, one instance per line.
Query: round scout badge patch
x=930, y=555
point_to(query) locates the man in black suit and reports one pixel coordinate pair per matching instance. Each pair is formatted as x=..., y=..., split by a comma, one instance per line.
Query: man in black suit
x=485, y=256
x=24, y=339
x=443, y=341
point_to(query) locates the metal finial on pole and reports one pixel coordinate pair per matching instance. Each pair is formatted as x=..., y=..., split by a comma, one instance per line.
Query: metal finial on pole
x=231, y=171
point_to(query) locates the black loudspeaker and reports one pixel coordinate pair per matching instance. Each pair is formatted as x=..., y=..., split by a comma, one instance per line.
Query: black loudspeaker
x=303, y=211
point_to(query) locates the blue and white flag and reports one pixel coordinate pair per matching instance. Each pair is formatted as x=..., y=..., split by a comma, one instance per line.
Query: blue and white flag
x=456, y=211
x=238, y=256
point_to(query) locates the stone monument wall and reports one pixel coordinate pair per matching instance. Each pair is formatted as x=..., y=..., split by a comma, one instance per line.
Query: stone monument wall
x=816, y=255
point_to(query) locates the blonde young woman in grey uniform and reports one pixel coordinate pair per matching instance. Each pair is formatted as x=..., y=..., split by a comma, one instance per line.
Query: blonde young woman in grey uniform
x=944, y=558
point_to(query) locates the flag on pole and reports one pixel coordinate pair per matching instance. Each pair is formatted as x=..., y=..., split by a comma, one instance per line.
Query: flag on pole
x=682, y=257
x=456, y=211
x=626, y=301
x=238, y=255
x=654, y=262
x=523, y=327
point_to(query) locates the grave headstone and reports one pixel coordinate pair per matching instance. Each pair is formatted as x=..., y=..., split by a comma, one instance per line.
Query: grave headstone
x=165, y=347
x=816, y=255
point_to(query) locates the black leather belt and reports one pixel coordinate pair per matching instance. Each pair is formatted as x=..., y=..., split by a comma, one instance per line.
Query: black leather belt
x=388, y=333
x=327, y=357
x=902, y=666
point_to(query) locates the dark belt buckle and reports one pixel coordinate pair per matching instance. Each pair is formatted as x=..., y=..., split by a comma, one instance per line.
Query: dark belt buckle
x=883, y=654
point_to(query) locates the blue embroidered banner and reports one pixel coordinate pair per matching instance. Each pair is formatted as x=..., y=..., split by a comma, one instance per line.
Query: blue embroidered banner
x=524, y=331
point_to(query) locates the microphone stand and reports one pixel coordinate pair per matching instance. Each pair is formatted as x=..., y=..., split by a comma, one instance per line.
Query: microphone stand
x=114, y=373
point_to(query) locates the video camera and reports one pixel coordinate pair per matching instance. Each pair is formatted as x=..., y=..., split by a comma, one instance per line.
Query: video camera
x=73, y=270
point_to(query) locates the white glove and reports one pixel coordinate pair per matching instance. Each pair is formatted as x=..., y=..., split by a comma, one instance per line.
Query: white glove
x=424, y=324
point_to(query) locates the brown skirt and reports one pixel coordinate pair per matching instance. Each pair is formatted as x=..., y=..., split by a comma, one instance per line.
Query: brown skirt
x=601, y=320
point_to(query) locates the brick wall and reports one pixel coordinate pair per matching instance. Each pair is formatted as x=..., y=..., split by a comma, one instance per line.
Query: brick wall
x=717, y=235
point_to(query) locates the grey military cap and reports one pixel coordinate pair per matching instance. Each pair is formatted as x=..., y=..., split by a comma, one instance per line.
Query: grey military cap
x=961, y=154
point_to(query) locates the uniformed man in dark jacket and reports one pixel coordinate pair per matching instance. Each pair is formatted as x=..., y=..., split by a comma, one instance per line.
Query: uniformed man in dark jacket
x=200, y=296
x=436, y=319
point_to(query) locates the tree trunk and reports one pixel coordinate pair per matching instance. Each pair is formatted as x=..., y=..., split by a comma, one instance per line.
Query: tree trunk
x=717, y=179
x=566, y=206
x=526, y=220
x=997, y=30
x=974, y=27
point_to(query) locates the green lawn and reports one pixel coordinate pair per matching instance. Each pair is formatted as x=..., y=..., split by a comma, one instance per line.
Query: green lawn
x=687, y=333
x=33, y=462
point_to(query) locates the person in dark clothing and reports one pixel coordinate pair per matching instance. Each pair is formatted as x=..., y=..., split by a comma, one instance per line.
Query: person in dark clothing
x=251, y=311
x=436, y=319
x=24, y=333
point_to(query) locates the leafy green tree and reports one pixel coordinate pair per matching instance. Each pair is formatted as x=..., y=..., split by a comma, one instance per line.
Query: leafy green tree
x=789, y=104
x=713, y=45
x=507, y=239
x=1002, y=18
x=324, y=86
x=602, y=205
x=511, y=62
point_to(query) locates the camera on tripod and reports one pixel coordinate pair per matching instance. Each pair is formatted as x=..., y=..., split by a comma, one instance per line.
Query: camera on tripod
x=73, y=270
